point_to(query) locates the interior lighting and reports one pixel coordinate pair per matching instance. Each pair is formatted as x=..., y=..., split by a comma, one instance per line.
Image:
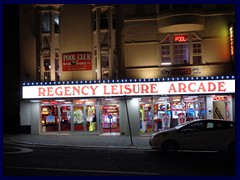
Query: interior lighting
x=67, y=102
x=34, y=101
x=166, y=63
x=60, y=100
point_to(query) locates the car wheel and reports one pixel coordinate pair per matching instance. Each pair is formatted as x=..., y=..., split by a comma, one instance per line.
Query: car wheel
x=170, y=147
x=231, y=149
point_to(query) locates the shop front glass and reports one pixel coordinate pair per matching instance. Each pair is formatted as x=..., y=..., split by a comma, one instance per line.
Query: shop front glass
x=65, y=118
x=164, y=112
x=55, y=115
x=49, y=117
x=109, y=114
x=84, y=115
x=68, y=115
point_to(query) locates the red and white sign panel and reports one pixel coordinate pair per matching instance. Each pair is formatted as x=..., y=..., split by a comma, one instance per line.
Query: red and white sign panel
x=76, y=61
x=130, y=89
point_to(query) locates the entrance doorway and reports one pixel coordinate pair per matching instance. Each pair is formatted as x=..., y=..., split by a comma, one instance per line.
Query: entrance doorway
x=56, y=117
x=220, y=107
x=109, y=115
x=65, y=118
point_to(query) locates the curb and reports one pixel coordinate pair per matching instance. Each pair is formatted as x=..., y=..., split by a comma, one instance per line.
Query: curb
x=78, y=146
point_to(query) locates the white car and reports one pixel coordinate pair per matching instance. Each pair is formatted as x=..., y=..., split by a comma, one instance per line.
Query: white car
x=204, y=134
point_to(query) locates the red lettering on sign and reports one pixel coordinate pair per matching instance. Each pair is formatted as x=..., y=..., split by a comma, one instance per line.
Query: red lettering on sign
x=41, y=91
x=219, y=98
x=190, y=88
x=221, y=86
x=50, y=91
x=180, y=38
x=181, y=87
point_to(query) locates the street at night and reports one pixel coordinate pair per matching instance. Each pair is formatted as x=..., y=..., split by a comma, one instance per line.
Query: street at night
x=95, y=89
x=35, y=160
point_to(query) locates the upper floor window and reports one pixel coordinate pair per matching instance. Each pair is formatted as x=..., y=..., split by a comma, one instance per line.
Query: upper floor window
x=56, y=23
x=46, y=24
x=165, y=51
x=181, y=49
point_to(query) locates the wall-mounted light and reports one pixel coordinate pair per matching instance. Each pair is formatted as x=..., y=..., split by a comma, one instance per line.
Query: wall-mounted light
x=231, y=40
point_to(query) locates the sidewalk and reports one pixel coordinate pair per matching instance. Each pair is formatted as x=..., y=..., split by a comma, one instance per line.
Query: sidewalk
x=80, y=140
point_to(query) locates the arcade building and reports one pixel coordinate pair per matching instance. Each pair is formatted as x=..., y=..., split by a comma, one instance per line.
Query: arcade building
x=109, y=69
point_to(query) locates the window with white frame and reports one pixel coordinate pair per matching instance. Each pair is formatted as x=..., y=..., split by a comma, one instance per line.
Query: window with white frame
x=50, y=46
x=196, y=49
x=46, y=25
x=181, y=53
x=177, y=48
x=165, y=51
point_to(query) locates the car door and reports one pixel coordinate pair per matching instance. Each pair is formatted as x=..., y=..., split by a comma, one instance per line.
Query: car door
x=220, y=136
x=193, y=137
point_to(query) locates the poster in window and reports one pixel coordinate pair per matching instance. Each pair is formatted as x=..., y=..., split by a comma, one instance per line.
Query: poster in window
x=76, y=61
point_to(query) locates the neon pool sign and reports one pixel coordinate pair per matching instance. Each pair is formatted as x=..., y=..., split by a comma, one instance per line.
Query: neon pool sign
x=181, y=38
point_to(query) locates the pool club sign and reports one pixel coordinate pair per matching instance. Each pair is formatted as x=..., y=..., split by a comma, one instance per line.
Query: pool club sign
x=76, y=61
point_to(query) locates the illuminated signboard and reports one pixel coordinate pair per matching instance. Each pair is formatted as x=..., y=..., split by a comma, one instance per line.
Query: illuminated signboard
x=220, y=98
x=76, y=61
x=231, y=39
x=129, y=89
x=180, y=38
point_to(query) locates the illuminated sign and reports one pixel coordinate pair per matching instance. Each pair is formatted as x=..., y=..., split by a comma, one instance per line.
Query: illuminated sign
x=129, y=89
x=181, y=38
x=231, y=38
x=220, y=98
x=181, y=71
x=76, y=61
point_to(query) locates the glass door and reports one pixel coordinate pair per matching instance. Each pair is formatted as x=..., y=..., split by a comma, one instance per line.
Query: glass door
x=49, y=118
x=84, y=115
x=65, y=117
x=110, y=117
x=78, y=118
x=146, y=117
